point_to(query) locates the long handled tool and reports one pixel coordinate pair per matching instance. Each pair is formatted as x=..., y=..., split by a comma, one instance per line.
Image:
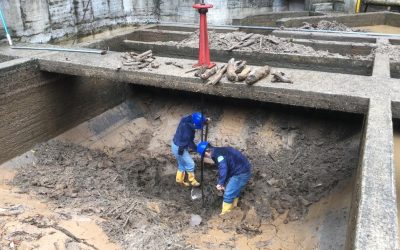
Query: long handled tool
x=196, y=193
x=5, y=28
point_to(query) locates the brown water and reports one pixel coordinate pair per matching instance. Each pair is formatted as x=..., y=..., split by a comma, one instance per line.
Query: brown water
x=386, y=29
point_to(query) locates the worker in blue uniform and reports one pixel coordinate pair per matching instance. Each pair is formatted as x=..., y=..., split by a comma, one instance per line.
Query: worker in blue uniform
x=234, y=171
x=183, y=141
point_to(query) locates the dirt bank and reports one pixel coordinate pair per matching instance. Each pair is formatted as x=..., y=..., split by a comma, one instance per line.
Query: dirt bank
x=297, y=158
x=262, y=43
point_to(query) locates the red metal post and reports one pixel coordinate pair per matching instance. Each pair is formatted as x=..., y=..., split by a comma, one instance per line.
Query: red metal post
x=204, y=51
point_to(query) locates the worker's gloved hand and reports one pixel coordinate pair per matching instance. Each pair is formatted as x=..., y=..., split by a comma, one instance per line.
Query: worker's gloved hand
x=220, y=187
x=180, y=150
x=208, y=120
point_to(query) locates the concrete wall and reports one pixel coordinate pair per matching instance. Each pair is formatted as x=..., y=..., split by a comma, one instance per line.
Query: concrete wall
x=37, y=106
x=44, y=20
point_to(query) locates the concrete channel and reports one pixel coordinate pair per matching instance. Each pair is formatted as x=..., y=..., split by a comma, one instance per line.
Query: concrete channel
x=324, y=149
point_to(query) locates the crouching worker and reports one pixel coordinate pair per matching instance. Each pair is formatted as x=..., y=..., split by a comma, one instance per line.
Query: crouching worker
x=234, y=171
x=183, y=140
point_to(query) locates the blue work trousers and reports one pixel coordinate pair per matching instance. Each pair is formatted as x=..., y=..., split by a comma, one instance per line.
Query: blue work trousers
x=185, y=161
x=235, y=185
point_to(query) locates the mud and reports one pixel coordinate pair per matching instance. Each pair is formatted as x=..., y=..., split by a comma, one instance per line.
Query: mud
x=298, y=157
x=263, y=43
x=327, y=25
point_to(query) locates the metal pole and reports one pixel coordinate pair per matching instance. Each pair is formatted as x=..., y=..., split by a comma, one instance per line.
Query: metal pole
x=3, y=20
x=102, y=52
x=202, y=156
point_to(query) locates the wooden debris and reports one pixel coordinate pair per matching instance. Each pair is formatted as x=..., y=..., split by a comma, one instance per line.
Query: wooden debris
x=144, y=56
x=13, y=210
x=280, y=77
x=245, y=42
x=217, y=77
x=176, y=64
x=245, y=72
x=139, y=61
x=208, y=73
x=230, y=71
x=247, y=37
x=239, y=66
x=155, y=65
x=200, y=71
x=191, y=70
x=257, y=75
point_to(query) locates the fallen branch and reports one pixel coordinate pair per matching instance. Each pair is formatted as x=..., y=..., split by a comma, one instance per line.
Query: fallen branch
x=200, y=71
x=245, y=72
x=144, y=55
x=257, y=75
x=208, y=73
x=217, y=77
x=239, y=66
x=280, y=77
x=230, y=70
x=69, y=234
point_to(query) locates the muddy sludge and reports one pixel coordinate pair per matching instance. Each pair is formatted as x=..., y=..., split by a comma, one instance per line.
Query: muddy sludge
x=298, y=157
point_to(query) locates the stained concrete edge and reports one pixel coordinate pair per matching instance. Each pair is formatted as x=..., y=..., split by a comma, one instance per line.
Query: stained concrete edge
x=294, y=97
x=373, y=219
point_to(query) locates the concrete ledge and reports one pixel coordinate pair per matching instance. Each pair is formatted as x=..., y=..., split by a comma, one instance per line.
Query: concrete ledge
x=271, y=18
x=355, y=20
x=171, y=78
x=381, y=66
x=324, y=36
x=343, y=48
x=326, y=64
x=373, y=218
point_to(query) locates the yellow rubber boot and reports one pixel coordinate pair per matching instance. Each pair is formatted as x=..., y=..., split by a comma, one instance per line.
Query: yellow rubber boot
x=192, y=180
x=226, y=208
x=235, y=202
x=180, y=178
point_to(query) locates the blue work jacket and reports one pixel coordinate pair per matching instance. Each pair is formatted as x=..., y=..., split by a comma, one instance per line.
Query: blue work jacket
x=230, y=162
x=184, y=135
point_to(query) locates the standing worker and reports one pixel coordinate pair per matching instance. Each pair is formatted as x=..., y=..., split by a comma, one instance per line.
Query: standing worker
x=234, y=171
x=183, y=140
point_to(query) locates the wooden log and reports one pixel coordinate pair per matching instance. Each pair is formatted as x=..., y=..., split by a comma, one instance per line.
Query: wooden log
x=245, y=72
x=144, y=55
x=243, y=44
x=257, y=74
x=200, y=71
x=247, y=37
x=280, y=77
x=230, y=70
x=239, y=66
x=208, y=73
x=217, y=77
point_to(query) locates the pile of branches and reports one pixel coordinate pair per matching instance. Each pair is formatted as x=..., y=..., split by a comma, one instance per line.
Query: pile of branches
x=139, y=61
